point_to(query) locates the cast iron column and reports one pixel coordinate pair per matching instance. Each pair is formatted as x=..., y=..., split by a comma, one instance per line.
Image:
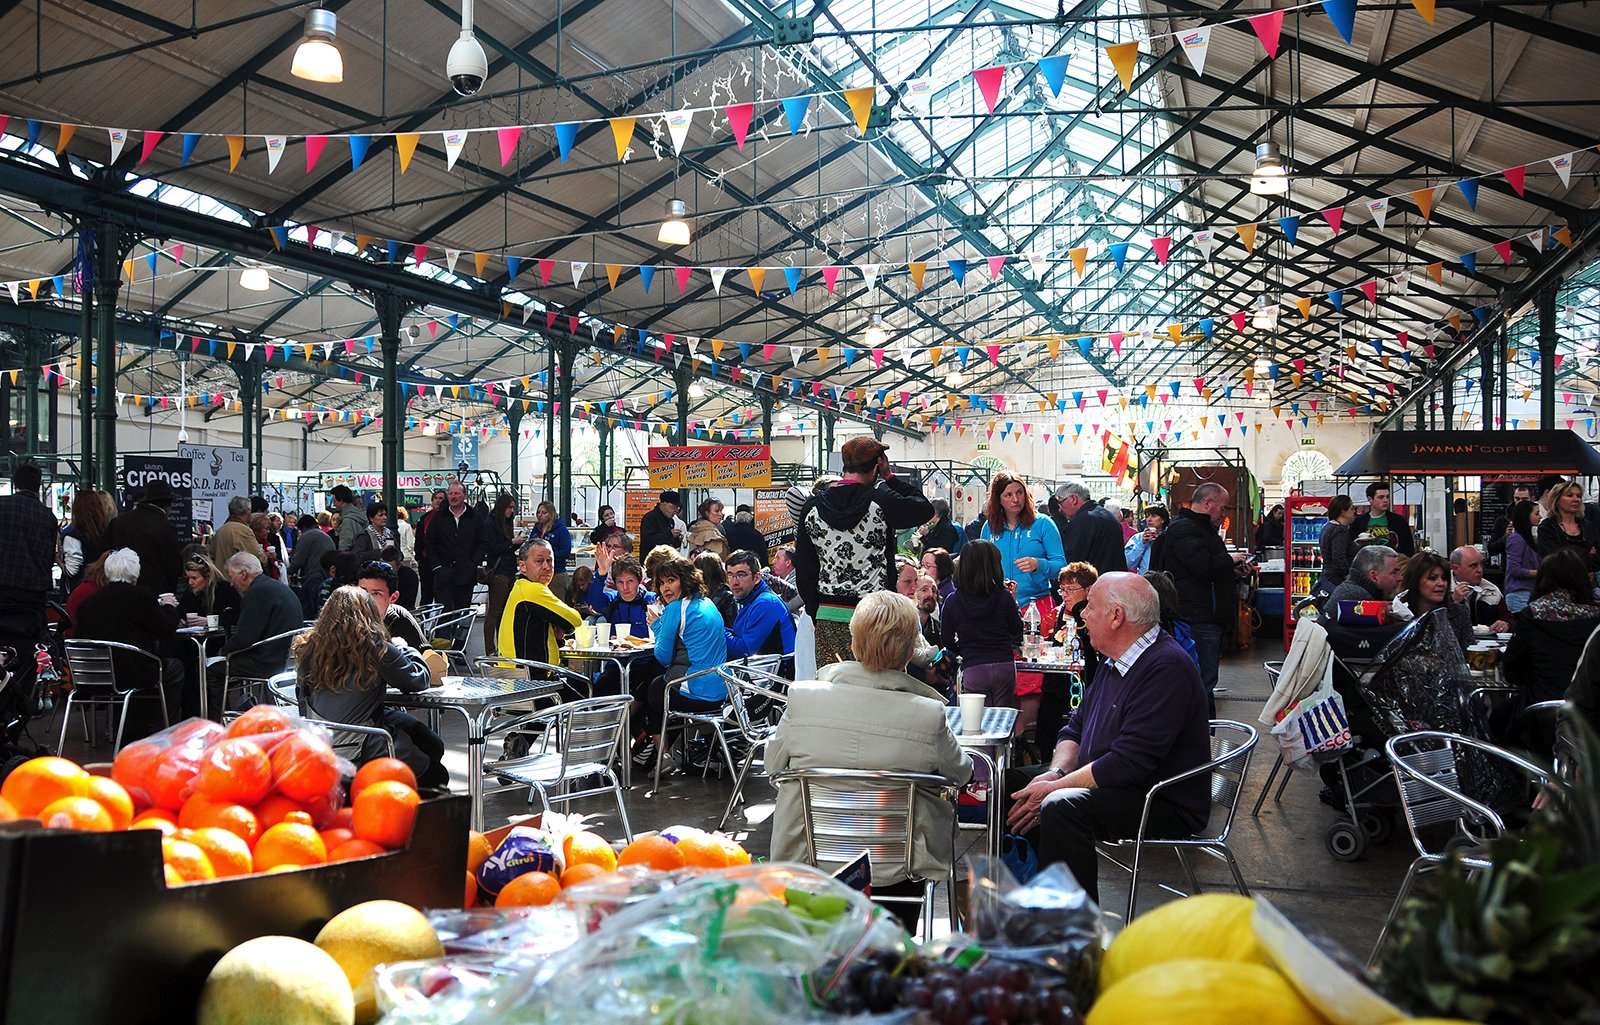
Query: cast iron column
x=547, y=490
x=1547, y=358
x=767, y=402
x=33, y=353
x=682, y=378
x=1486, y=352
x=86, y=474
x=603, y=433
x=1447, y=402
x=391, y=309
x=568, y=353
x=514, y=424
x=109, y=248
x=1503, y=372
x=249, y=409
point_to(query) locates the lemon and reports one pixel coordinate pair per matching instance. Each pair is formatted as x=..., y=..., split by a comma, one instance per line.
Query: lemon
x=1211, y=926
x=1202, y=993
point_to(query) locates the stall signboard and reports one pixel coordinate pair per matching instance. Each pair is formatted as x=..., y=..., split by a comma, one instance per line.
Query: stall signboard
x=711, y=466
x=1494, y=506
x=464, y=451
x=218, y=474
x=772, y=516
x=139, y=470
x=635, y=503
x=415, y=480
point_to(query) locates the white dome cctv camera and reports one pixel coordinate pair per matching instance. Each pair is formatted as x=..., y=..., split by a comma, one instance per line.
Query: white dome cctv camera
x=467, y=64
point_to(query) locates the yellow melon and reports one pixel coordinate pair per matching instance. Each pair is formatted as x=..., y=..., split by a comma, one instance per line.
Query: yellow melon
x=1210, y=927
x=1203, y=993
x=276, y=980
x=377, y=932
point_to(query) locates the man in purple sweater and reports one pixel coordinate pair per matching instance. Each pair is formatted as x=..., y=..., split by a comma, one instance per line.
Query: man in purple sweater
x=1143, y=719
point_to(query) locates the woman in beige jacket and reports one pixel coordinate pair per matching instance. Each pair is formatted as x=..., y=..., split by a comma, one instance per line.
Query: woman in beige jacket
x=868, y=714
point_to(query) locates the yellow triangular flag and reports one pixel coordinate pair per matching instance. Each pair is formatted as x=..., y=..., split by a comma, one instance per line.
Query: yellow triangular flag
x=405, y=144
x=479, y=262
x=1424, y=200
x=1424, y=8
x=1436, y=272
x=822, y=354
x=1054, y=345
x=235, y=151
x=308, y=347
x=613, y=272
x=917, y=271
x=757, y=276
x=716, y=348
x=1176, y=331
x=13, y=374
x=33, y=288
x=1295, y=377
x=127, y=269
x=64, y=135
x=1123, y=57
x=230, y=350
x=1079, y=256
x=1303, y=304
x=860, y=101
x=621, y=134
x=1247, y=236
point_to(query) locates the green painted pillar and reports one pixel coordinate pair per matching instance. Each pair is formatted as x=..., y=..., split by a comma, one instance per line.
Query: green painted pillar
x=767, y=402
x=33, y=354
x=547, y=490
x=1547, y=358
x=390, y=310
x=86, y=474
x=514, y=423
x=109, y=247
x=568, y=353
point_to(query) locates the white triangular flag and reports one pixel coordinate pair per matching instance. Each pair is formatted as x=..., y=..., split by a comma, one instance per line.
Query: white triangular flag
x=692, y=343
x=1563, y=166
x=1403, y=283
x=454, y=140
x=1536, y=240
x=275, y=144
x=1195, y=42
x=1040, y=263
x=869, y=274
x=755, y=378
x=677, y=359
x=527, y=311
x=249, y=350
x=1379, y=208
x=327, y=350
x=450, y=258
x=335, y=239
x=678, y=127
x=918, y=89
x=1204, y=240
x=119, y=139
x=578, y=267
x=15, y=288
x=717, y=274
x=796, y=353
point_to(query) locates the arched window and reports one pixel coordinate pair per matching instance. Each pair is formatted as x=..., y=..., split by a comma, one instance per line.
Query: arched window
x=1304, y=466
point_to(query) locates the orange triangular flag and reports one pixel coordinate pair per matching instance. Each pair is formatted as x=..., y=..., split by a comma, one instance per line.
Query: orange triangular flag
x=1424, y=200
x=860, y=101
x=362, y=242
x=1436, y=272
x=1455, y=322
x=1247, y=236
x=127, y=269
x=935, y=354
x=822, y=355
x=1563, y=235
x=1176, y=331
x=33, y=288
x=1424, y=8
x=622, y=134
x=613, y=271
x=1054, y=345
x=479, y=262
x=757, y=276
x=235, y=151
x=230, y=350
x=1123, y=57
x=1303, y=304
x=63, y=136
x=405, y=144
x=1079, y=256
x=917, y=271
x=716, y=347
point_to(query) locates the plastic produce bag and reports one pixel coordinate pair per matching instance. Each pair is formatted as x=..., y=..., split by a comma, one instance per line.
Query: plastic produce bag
x=1049, y=922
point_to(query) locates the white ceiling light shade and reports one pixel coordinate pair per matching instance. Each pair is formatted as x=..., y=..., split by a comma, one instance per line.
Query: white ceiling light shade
x=1271, y=176
x=317, y=59
x=877, y=333
x=1265, y=317
x=697, y=390
x=675, y=229
x=255, y=279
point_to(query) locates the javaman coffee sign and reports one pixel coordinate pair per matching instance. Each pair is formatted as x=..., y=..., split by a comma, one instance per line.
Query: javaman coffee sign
x=711, y=466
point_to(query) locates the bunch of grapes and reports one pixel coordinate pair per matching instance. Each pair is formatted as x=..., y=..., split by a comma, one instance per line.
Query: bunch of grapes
x=990, y=993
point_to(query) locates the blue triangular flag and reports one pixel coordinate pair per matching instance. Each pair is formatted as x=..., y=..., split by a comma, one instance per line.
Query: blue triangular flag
x=33, y=133
x=392, y=248
x=744, y=350
x=189, y=140
x=964, y=351
x=513, y=264
x=1336, y=300
x=1054, y=69
x=150, y=257
x=1119, y=254
x=792, y=276
x=455, y=320
x=1343, y=15
x=958, y=270
x=1291, y=228
x=1077, y=398
x=359, y=144
x=280, y=233
x=849, y=355
x=1272, y=371
x=60, y=283
x=794, y=108
x=1470, y=262
x=1469, y=191
x=1481, y=315
x=1208, y=327
x=566, y=137
x=647, y=274
x=1175, y=386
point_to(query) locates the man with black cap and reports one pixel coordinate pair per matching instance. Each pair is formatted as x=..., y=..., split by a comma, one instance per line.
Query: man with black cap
x=844, y=544
x=147, y=530
x=659, y=526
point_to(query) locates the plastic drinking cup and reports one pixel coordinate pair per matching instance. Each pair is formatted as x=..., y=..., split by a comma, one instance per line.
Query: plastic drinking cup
x=602, y=635
x=972, y=713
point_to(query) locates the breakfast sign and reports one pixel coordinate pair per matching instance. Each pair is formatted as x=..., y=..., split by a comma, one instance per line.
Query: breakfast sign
x=711, y=466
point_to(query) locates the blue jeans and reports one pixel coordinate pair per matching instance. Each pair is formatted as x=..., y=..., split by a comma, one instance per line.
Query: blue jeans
x=1208, y=645
x=1516, y=601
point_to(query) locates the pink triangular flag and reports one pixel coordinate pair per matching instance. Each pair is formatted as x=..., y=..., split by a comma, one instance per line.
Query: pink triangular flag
x=995, y=264
x=1334, y=215
x=509, y=137
x=1517, y=176
x=419, y=253
x=1238, y=320
x=1116, y=342
x=1504, y=249
x=682, y=274
x=989, y=80
x=314, y=147
x=148, y=144
x=1162, y=246
x=739, y=120
x=830, y=277
x=546, y=269
x=177, y=253
x=311, y=235
x=1268, y=27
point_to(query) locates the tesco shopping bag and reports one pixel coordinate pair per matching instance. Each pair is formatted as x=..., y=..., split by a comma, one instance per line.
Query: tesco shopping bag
x=1315, y=724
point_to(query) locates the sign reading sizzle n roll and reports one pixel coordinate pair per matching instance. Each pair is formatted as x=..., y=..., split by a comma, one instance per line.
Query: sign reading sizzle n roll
x=711, y=466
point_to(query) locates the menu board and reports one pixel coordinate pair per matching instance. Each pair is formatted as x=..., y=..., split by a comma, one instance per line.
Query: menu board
x=772, y=516
x=1494, y=508
x=635, y=503
x=710, y=466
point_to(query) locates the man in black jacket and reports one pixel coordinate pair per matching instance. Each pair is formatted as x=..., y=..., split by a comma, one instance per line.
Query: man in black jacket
x=27, y=552
x=457, y=542
x=1203, y=572
x=1089, y=533
x=657, y=527
x=146, y=529
x=845, y=541
x=942, y=533
x=1386, y=526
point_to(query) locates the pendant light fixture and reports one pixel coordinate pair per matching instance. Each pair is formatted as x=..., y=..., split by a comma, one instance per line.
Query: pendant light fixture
x=255, y=278
x=1265, y=317
x=317, y=59
x=877, y=332
x=675, y=229
x=1271, y=176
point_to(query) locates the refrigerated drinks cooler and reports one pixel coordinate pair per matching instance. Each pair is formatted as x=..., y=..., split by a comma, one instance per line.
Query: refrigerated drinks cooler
x=1307, y=514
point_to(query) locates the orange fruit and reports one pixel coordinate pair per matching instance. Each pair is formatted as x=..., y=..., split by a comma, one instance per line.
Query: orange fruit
x=332, y=838
x=235, y=771
x=341, y=818
x=529, y=889
x=168, y=781
x=470, y=895
x=293, y=841
x=155, y=818
x=41, y=781
x=702, y=851
x=356, y=848
x=735, y=851
x=201, y=811
x=478, y=850
x=259, y=719
x=228, y=854
x=581, y=873
x=385, y=813
x=655, y=852
x=586, y=848
x=113, y=798
x=304, y=766
x=380, y=769
x=271, y=811
x=7, y=812
x=187, y=859
x=83, y=813
x=132, y=769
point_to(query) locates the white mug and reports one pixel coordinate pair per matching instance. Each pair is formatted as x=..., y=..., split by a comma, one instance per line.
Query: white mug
x=972, y=713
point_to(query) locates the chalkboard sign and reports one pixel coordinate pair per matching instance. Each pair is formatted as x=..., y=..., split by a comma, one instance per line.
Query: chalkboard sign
x=138, y=470
x=1494, y=508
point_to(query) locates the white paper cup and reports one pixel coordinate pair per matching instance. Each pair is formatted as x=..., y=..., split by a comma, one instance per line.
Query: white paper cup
x=621, y=630
x=602, y=635
x=972, y=713
x=213, y=622
x=583, y=637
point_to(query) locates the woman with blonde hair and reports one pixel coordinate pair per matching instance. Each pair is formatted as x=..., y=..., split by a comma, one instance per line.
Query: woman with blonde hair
x=1563, y=525
x=345, y=662
x=85, y=536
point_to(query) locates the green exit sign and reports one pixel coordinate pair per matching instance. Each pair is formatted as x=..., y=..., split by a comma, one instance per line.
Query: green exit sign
x=1306, y=441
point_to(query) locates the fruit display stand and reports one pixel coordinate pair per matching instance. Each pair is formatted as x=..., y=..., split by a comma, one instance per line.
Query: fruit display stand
x=90, y=932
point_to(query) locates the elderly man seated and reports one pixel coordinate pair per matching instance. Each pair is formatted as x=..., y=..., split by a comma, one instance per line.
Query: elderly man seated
x=868, y=714
x=1374, y=576
x=1484, y=601
x=1143, y=719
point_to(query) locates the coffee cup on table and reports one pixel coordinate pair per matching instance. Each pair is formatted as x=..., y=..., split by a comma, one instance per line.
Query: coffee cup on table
x=972, y=713
x=602, y=635
x=583, y=637
x=213, y=622
x=621, y=630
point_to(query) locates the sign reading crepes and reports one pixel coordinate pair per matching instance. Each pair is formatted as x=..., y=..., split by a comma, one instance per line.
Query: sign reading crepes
x=711, y=466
